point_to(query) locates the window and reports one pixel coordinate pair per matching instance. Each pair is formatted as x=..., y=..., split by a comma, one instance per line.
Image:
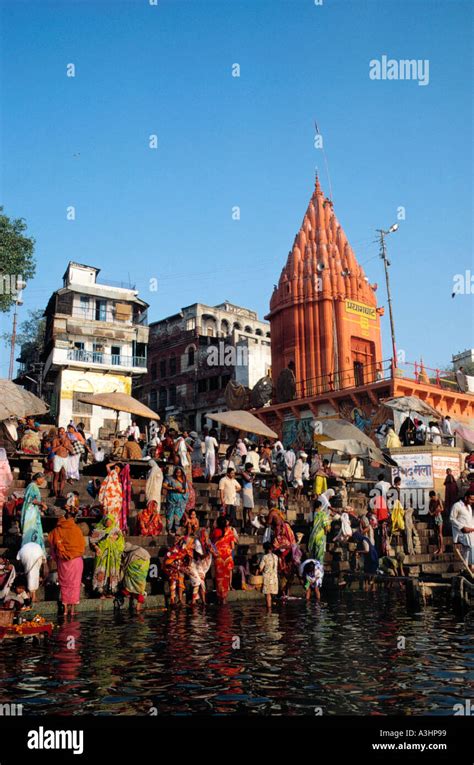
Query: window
x=115, y=353
x=258, y=332
x=97, y=353
x=248, y=330
x=210, y=332
x=191, y=324
x=173, y=365
x=78, y=407
x=101, y=310
x=190, y=357
x=153, y=371
x=213, y=383
x=154, y=400
x=202, y=386
x=84, y=306
x=163, y=368
x=172, y=395
x=163, y=397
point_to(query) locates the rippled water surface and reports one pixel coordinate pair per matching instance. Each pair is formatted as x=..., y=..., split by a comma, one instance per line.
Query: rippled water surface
x=342, y=657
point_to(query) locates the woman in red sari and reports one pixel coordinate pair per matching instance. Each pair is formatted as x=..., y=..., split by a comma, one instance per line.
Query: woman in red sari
x=149, y=520
x=224, y=540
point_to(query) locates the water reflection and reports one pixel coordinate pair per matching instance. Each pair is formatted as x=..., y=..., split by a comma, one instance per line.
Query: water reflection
x=343, y=656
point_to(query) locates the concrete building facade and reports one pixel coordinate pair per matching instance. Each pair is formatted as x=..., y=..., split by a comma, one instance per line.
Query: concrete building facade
x=193, y=355
x=96, y=342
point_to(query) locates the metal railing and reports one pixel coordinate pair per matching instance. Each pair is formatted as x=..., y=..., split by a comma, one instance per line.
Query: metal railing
x=429, y=376
x=346, y=378
x=106, y=359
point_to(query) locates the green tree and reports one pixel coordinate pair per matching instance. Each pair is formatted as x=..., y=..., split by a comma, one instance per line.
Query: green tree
x=16, y=257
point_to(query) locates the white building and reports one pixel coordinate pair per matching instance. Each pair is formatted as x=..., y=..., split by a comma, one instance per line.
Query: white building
x=463, y=358
x=96, y=341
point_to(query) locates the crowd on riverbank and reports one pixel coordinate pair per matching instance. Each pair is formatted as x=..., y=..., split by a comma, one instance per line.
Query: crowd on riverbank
x=176, y=462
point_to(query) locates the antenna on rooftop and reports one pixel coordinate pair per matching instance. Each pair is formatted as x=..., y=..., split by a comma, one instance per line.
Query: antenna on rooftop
x=325, y=158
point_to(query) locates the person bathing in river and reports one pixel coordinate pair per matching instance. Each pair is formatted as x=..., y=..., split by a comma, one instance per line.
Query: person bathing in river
x=268, y=567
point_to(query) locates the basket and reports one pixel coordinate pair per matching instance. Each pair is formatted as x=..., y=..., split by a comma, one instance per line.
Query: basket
x=6, y=617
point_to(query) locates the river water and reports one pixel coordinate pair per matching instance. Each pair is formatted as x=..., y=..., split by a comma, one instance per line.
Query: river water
x=344, y=657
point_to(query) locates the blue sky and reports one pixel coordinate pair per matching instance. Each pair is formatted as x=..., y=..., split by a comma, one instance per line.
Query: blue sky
x=247, y=141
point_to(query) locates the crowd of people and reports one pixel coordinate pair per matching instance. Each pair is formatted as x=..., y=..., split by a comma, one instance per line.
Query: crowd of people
x=175, y=461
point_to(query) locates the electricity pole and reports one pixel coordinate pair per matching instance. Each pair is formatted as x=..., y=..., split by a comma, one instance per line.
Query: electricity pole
x=386, y=263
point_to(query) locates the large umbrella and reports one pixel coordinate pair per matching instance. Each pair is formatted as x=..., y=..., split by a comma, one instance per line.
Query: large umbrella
x=119, y=402
x=242, y=420
x=18, y=402
x=352, y=448
x=410, y=404
x=335, y=428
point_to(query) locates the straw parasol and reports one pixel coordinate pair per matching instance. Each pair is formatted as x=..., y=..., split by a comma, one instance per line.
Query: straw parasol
x=352, y=448
x=244, y=421
x=409, y=404
x=18, y=402
x=120, y=402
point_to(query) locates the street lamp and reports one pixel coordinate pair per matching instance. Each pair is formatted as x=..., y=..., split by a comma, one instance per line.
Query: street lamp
x=386, y=262
x=20, y=285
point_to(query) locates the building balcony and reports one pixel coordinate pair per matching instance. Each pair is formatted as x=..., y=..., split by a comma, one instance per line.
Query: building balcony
x=103, y=362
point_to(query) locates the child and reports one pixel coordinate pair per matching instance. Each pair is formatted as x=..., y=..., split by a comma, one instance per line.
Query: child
x=312, y=573
x=269, y=568
x=72, y=502
x=17, y=598
x=241, y=562
x=435, y=509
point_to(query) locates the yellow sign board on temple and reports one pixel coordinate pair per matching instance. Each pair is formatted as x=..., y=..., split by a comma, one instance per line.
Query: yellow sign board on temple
x=360, y=309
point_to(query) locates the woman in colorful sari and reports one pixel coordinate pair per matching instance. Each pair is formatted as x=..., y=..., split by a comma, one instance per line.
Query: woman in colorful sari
x=6, y=480
x=283, y=544
x=67, y=546
x=73, y=459
x=149, y=520
x=175, y=565
x=108, y=543
x=321, y=526
x=135, y=565
x=223, y=539
x=176, y=488
x=320, y=482
x=111, y=493
x=126, y=482
x=30, y=522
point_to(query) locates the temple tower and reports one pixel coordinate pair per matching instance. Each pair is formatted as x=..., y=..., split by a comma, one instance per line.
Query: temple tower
x=325, y=324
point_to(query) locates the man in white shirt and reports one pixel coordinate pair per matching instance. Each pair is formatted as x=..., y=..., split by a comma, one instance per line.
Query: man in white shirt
x=228, y=488
x=462, y=523
x=252, y=456
x=383, y=487
x=182, y=449
x=434, y=434
x=210, y=447
x=447, y=431
x=133, y=430
x=300, y=474
x=290, y=460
